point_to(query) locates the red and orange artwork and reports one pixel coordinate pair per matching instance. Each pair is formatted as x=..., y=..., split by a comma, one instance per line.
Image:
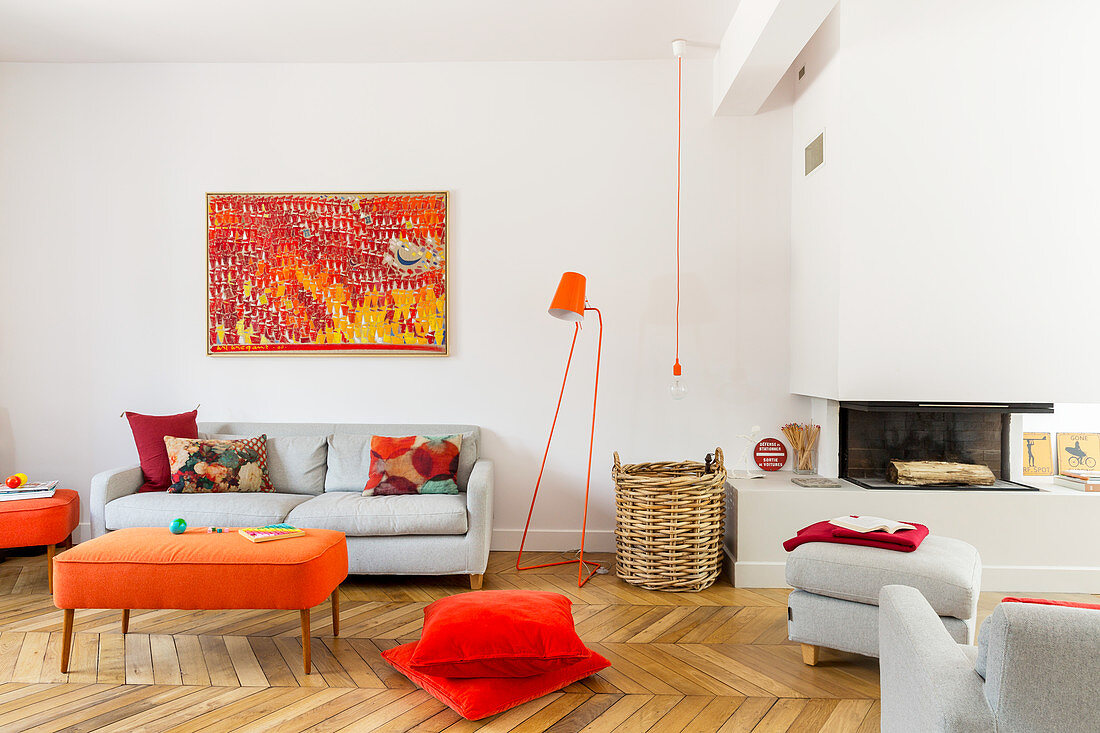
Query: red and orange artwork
x=316, y=273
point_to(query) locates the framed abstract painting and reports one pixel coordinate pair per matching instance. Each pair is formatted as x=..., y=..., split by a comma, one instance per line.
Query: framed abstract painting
x=326, y=273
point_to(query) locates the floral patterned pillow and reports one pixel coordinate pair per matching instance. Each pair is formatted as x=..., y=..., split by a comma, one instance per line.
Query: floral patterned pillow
x=415, y=464
x=218, y=466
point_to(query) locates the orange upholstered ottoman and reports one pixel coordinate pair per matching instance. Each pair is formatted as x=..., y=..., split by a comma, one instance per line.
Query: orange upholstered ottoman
x=32, y=522
x=150, y=567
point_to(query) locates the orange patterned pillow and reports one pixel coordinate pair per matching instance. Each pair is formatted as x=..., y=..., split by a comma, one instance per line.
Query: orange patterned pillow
x=413, y=465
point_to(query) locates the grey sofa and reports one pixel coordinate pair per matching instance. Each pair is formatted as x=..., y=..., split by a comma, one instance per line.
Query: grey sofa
x=319, y=471
x=1036, y=668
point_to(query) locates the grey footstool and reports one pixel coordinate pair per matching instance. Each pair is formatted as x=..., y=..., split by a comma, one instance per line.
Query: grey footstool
x=835, y=601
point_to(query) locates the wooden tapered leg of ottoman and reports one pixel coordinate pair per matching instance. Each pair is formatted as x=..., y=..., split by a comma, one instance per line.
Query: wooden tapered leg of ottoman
x=50, y=551
x=66, y=639
x=336, y=612
x=810, y=654
x=305, y=640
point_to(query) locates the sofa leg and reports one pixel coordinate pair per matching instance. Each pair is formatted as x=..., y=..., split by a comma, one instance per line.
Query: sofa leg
x=476, y=580
x=810, y=654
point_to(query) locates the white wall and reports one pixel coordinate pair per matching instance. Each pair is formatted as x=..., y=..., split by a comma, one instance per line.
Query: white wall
x=958, y=197
x=550, y=167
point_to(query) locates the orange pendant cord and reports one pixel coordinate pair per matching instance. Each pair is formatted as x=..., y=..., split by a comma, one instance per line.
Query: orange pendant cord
x=679, y=97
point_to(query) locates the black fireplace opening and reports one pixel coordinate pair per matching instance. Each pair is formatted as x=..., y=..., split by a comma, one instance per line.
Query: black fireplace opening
x=874, y=433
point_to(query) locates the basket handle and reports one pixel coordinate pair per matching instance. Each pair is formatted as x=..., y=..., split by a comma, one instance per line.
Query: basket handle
x=618, y=466
x=718, y=464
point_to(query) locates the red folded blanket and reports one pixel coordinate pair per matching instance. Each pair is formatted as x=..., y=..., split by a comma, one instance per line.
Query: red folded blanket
x=1048, y=602
x=904, y=540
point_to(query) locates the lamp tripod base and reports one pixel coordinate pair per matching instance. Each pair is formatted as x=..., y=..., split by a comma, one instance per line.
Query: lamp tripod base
x=582, y=565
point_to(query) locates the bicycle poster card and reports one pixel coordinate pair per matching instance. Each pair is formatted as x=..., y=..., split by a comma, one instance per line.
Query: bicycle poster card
x=1078, y=451
x=1037, y=455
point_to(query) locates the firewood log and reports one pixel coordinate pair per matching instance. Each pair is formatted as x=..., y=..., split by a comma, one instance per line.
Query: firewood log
x=935, y=473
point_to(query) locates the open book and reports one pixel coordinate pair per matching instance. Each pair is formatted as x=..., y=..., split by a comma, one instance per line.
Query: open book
x=870, y=524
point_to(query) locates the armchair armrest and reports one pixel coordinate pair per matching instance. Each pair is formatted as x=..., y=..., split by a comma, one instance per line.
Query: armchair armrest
x=108, y=486
x=1042, y=667
x=927, y=683
x=479, y=509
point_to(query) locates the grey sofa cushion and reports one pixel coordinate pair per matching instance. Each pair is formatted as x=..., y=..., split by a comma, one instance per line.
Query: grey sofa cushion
x=158, y=509
x=349, y=458
x=945, y=570
x=358, y=516
x=348, y=462
x=296, y=464
x=846, y=625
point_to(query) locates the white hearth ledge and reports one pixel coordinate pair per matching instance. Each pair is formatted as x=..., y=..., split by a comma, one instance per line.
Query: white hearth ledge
x=1039, y=542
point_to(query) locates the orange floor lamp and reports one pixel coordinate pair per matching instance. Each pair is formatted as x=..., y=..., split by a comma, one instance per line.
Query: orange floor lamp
x=569, y=304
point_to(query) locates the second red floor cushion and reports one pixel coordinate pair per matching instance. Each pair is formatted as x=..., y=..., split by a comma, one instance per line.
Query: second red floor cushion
x=479, y=697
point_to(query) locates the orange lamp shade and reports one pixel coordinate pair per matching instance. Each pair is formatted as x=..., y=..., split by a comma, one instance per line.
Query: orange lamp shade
x=568, y=302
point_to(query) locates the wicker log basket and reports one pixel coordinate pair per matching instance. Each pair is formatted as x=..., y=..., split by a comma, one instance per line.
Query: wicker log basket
x=669, y=521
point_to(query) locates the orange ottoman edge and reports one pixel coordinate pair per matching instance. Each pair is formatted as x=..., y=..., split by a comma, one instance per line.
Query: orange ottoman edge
x=31, y=522
x=90, y=579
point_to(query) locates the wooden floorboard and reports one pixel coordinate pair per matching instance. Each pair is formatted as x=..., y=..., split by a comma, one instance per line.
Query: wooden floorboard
x=718, y=660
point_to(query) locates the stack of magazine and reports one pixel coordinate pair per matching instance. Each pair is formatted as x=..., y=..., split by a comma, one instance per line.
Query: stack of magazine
x=30, y=490
x=1080, y=480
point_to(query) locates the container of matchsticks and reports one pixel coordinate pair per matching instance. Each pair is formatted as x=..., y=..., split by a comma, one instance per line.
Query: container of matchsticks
x=803, y=440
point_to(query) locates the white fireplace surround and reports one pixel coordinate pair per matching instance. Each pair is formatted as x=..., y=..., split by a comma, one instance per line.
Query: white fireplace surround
x=1040, y=542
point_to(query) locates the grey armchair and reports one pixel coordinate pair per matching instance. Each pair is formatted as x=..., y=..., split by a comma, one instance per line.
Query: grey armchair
x=1036, y=668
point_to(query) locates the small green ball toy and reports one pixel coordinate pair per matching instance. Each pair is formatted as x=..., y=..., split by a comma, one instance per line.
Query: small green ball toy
x=178, y=526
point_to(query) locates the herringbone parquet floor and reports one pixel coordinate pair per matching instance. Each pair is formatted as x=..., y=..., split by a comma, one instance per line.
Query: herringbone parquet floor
x=712, y=661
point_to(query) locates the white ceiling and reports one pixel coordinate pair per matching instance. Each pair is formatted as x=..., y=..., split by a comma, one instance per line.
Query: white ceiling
x=353, y=30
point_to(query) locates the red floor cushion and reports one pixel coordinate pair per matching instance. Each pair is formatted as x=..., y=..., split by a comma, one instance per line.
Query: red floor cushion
x=498, y=633
x=479, y=697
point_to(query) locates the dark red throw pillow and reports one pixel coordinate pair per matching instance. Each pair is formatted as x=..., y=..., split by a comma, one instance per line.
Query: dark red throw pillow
x=480, y=697
x=498, y=633
x=1047, y=602
x=149, y=433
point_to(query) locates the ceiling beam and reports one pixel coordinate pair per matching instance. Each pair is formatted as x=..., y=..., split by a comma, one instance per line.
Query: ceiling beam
x=762, y=40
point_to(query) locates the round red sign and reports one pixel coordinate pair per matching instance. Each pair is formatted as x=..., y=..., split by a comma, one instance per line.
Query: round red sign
x=770, y=454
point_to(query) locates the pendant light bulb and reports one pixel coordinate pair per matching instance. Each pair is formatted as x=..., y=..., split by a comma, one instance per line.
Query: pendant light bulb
x=677, y=389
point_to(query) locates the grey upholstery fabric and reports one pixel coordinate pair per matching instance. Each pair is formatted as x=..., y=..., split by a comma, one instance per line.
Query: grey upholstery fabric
x=158, y=509
x=946, y=571
x=982, y=647
x=1043, y=668
x=928, y=683
x=348, y=462
x=296, y=464
x=434, y=554
x=847, y=625
x=356, y=515
x=471, y=436
x=108, y=486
